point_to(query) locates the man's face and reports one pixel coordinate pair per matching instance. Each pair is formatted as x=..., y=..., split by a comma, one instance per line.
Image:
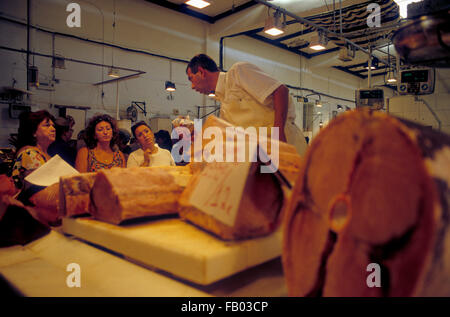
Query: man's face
x=199, y=81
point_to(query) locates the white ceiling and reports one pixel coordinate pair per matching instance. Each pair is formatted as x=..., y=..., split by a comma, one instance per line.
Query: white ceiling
x=318, y=6
x=250, y=21
x=295, y=6
x=217, y=6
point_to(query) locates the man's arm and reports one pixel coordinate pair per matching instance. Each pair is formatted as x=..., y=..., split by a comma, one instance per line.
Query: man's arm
x=280, y=102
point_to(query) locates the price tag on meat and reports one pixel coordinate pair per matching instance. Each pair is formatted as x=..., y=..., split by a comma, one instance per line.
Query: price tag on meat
x=219, y=190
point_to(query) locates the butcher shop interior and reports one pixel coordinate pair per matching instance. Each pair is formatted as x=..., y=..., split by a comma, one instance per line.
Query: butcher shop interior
x=225, y=148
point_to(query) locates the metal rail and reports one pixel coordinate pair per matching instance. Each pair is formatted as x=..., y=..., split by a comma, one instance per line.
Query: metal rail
x=318, y=27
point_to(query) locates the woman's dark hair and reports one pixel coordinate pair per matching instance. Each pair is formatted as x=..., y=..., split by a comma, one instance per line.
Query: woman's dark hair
x=137, y=125
x=28, y=124
x=204, y=61
x=89, y=135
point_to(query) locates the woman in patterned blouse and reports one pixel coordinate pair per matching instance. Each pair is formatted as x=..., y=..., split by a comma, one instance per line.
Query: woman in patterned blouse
x=36, y=133
x=102, y=151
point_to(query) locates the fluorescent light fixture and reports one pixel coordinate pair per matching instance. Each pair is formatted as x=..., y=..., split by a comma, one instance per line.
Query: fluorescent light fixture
x=211, y=94
x=114, y=73
x=170, y=86
x=274, y=31
x=391, y=78
x=317, y=47
x=200, y=4
x=373, y=65
x=319, y=42
x=274, y=26
x=318, y=103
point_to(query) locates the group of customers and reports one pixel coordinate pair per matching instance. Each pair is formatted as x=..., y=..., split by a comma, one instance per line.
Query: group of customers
x=41, y=136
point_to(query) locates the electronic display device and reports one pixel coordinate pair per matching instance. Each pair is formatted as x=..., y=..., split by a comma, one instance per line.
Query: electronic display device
x=370, y=97
x=414, y=81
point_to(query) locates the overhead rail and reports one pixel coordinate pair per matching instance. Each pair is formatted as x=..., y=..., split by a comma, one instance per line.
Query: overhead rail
x=318, y=27
x=137, y=72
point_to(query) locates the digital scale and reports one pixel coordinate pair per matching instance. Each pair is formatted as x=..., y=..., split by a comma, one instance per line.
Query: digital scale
x=370, y=97
x=416, y=81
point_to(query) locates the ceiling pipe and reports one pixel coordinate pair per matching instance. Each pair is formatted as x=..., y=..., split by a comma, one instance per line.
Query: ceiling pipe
x=67, y=59
x=318, y=27
x=2, y=18
x=28, y=44
x=369, y=74
x=317, y=93
x=136, y=71
x=221, y=47
x=334, y=15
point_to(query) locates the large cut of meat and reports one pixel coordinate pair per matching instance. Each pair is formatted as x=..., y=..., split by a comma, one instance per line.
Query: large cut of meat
x=120, y=194
x=258, y=201
x=19, y=224
x=288, y=159
x=373, y=192
x=74, y=194
x=46, y=203
x=260, y=198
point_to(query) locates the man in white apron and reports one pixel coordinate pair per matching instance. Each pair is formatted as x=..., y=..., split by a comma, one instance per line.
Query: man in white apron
x=248, y=96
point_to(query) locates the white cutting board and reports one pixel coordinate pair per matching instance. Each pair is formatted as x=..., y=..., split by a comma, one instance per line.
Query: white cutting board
x=177, y=247
x=39, y=268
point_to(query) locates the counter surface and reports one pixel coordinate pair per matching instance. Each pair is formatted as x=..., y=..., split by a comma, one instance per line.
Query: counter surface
x=177, y=247
x=40, y=269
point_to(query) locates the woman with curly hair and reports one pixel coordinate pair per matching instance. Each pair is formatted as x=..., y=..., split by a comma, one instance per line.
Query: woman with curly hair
x=36, y=133
x=102, y=151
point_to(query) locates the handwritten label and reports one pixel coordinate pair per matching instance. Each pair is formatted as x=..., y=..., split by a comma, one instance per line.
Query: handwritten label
x=219, y=190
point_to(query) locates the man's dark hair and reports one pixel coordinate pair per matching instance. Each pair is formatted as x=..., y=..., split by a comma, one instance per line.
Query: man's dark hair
x=124, y=136
x=62, y=125
x=162, y=137
x=204, y=61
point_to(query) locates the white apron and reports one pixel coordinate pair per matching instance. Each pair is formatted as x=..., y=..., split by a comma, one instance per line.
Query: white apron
x=247, y=112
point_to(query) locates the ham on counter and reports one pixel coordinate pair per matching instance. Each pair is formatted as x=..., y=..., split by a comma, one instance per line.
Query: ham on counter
x=120, y=194
x=74, y=194
x=369, y=211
